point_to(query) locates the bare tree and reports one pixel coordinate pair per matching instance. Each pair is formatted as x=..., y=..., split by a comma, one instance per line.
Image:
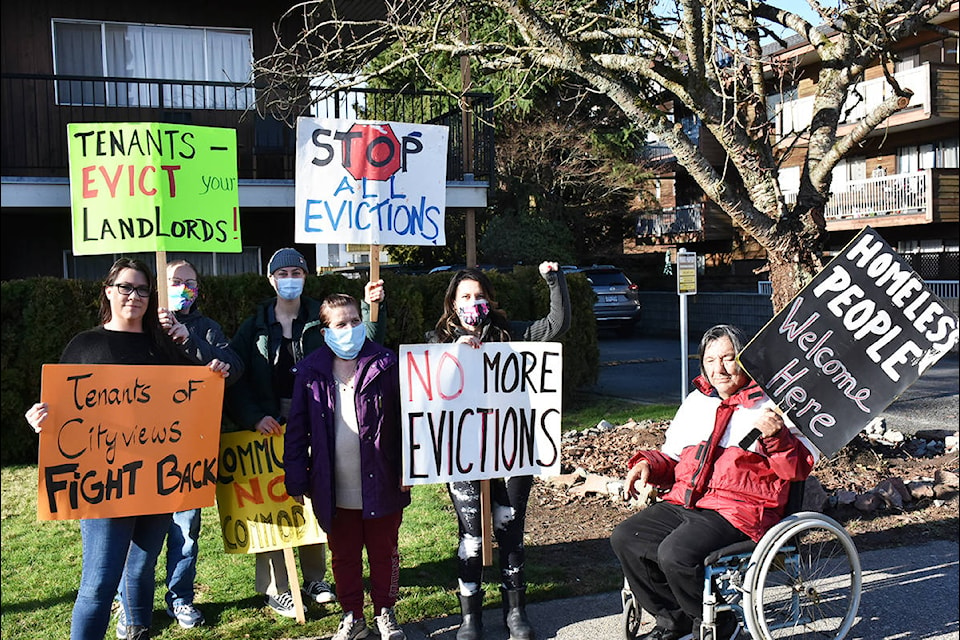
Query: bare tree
x=707, y=55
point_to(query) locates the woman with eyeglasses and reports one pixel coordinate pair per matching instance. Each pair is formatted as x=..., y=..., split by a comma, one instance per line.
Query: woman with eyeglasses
x=133, y=330
x=204, y=340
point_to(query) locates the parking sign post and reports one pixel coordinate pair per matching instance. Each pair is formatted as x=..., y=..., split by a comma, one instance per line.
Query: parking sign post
x=686, y=285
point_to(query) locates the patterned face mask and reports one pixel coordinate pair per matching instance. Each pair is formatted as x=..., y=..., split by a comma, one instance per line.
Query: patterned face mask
x=474, y=313
x=181, y=297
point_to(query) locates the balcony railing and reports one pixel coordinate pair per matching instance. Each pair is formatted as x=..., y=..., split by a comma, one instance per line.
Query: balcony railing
x=683, y=219
x=35, y=111
x=792, y=116
x=898, y=194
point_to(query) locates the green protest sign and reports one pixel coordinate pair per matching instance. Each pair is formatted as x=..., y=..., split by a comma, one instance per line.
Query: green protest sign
x=146, y=186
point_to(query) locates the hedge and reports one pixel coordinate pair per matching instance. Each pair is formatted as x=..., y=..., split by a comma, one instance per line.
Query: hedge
x=41, y=315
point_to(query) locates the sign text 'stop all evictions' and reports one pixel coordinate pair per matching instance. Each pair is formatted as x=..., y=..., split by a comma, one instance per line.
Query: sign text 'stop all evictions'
x=144, y=187
x=370, y=182
x=850, y=342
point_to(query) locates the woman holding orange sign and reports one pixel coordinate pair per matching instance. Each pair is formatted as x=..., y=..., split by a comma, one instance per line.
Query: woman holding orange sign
x=133, y=330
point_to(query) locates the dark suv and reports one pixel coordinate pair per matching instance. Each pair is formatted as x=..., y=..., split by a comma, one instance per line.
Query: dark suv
x=618, y=300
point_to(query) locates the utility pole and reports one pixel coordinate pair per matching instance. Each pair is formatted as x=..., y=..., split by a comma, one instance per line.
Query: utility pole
x=466, y=124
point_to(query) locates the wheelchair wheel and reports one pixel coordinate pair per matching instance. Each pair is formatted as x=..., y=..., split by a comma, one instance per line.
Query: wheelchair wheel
x=632, y=617
x=805, y=583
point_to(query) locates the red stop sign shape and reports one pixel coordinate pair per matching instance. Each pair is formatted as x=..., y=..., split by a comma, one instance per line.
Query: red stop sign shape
x=371, y=151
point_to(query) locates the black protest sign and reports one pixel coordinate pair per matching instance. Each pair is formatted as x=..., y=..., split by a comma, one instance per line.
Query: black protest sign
x=850, y=342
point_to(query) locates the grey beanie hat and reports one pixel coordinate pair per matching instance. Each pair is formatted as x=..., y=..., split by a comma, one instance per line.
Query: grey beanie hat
x=287, y=258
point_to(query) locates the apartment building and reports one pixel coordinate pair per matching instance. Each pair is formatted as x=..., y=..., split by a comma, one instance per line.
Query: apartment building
x=182, y=63
x=904, y=181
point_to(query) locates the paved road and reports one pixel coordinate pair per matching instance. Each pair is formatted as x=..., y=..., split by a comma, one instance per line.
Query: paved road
x=908, y=592
x=648, y=370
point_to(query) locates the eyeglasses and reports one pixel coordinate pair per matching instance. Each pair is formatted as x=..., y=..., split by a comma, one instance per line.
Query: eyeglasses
x=126, y=289
x=176, y=282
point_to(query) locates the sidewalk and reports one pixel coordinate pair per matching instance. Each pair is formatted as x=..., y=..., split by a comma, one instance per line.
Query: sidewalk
x=908, y=592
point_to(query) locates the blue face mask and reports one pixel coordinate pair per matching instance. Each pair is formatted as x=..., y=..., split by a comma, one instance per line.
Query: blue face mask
x=289, y=288
x=345, y=343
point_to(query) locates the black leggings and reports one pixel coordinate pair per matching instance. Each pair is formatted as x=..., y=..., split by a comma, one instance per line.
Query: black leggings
x=508, y=506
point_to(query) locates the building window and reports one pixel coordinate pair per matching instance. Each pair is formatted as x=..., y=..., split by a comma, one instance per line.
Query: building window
x=944, y=154
x=207, y=264
x=180, y=63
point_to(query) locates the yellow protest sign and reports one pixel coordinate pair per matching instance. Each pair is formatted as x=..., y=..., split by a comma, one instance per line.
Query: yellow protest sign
x=256, y=514
x=123, y=440
x=142, y=186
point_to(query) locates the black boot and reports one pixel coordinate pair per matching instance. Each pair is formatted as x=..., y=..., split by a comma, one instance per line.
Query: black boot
x=471, y=608
x=515, y=615
x=135, y=632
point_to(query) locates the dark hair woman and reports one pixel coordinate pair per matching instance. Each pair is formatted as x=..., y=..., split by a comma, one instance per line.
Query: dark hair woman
x=470, y=316
x=133, y=330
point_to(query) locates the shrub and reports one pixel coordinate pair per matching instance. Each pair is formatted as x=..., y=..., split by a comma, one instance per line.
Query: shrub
x=41, y=315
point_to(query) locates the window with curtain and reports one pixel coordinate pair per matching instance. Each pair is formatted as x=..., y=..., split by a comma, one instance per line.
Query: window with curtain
x=179, y=62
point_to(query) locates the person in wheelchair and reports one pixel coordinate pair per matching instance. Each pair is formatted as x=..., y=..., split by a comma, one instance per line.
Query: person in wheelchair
x=726, y=466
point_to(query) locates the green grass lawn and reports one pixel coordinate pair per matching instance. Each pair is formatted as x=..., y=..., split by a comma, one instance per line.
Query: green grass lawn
x=40, y=562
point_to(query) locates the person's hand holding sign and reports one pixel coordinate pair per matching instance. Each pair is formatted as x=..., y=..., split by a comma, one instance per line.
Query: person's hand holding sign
x=373, y=292
x=219, y=366
x=36, y=414
x=769, y=423
x=269, y=426
x=174, y=328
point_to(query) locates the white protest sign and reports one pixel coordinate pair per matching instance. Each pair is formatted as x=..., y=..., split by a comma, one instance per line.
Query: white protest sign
x=368, y=182
x=476, y=414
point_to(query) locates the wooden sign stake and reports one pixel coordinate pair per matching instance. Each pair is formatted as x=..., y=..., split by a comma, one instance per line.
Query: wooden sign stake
x=291, y=564
x=374, y=276
x=486, y=523
x=162, y=278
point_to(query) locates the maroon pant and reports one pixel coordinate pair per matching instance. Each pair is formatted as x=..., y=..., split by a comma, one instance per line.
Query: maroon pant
x=348, y=536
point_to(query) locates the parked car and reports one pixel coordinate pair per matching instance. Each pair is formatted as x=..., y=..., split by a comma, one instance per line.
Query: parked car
x=618, y=299
x=453, y=268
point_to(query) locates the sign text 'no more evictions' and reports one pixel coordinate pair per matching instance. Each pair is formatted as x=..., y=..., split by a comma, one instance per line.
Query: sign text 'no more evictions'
x=256, y=514
x=144, y=187
x=123, y=440
x=861, y=332
x=476, y=414
x=367, y=182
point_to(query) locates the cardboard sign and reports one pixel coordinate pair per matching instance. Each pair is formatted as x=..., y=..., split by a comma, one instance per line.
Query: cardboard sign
x=474, y=414
x=366, y=182
x=142, y=186
x=850, y=342
x=256, y=514
x=124, y=440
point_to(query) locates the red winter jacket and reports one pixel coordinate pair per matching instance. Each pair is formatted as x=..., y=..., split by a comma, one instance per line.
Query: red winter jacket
x=704, y=467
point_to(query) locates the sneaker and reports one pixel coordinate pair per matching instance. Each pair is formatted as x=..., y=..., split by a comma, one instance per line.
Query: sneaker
x=319, y=591
x=351, y=629
x=186, y=614
x=121, y=624
x=388, y=627
x=282, y=603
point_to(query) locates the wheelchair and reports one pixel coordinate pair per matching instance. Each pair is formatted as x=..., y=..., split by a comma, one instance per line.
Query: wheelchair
x=801, y=580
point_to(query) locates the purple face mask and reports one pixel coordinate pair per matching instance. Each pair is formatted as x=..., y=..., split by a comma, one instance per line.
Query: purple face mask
x=474, y=313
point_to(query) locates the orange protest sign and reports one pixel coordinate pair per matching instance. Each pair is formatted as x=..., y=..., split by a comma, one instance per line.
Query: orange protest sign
x=123, y=440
